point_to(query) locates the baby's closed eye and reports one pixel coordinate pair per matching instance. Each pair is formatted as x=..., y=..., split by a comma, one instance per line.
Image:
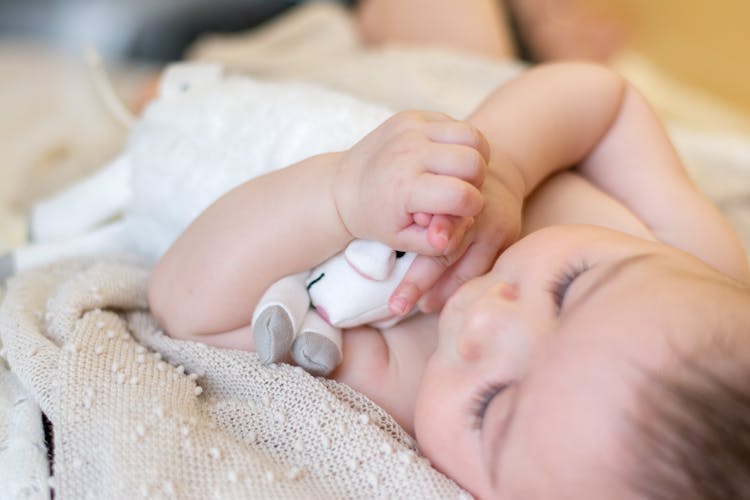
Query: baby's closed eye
x=482, y=400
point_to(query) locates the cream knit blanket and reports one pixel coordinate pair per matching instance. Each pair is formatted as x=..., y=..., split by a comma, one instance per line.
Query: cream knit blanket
x=138, y=414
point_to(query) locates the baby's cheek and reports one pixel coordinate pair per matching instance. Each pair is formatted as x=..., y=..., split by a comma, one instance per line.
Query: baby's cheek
x=428, y=417
x=443, y=427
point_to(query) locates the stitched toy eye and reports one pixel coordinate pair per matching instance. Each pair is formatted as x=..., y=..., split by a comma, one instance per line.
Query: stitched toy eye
x=400, y=254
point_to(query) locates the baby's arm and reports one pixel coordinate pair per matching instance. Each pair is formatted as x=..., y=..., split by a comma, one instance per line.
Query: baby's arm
x=571, y=115
x=207, y=284
x=214, y=273
x=566, y=115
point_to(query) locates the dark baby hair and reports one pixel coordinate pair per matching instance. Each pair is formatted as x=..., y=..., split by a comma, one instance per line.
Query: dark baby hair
x=692, y=435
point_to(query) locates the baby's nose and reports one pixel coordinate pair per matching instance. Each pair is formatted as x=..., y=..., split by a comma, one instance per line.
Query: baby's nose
x=493, y=313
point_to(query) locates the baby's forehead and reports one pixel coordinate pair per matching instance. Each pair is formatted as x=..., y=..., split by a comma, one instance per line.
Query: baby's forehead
x=691, y=417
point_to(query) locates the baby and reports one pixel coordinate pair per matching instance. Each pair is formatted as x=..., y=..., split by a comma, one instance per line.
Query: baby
x=592, y=303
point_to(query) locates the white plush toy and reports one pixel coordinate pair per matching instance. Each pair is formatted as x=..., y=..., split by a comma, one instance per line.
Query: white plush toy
x=349, y=289
x=205, y=134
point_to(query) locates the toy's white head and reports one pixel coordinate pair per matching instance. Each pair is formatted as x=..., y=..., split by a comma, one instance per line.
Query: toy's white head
x=353, y=287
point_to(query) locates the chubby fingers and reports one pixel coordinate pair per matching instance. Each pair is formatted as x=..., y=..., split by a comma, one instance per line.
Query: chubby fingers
x=448, y=234
x=427, y=270
x=450, y=131
x=422, y=275
x=441, y=229
x=422, y=219
x=477, y=260
x=440, y=194
x=442, y=236
x=458, y=161
x=438, y=128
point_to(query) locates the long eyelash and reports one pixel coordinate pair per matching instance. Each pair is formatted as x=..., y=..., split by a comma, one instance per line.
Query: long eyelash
x=559, y=286
x=482, y=400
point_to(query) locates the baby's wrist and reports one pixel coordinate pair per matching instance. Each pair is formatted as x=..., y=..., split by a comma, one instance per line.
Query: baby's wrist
x=510, y=176
x=342, y=194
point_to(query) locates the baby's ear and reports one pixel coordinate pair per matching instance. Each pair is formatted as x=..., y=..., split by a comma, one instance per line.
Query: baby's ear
x=179, y=78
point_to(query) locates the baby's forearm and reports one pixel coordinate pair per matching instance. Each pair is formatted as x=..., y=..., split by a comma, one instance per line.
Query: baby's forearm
x=546, y=120
x=587, y=117
x=636, y=163
x=209, y=281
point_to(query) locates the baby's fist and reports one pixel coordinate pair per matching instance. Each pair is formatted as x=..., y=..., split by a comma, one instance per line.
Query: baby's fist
x=415, y=163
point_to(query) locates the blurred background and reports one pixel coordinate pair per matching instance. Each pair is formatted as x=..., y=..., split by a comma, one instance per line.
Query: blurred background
x=701, y=42
x=690, y=57
x=156, y=30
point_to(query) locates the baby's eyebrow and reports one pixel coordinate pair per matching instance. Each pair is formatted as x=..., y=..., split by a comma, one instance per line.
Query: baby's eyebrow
x=609, y=276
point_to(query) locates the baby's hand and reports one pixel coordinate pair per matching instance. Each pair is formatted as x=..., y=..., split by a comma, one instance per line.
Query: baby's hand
x=414, y=164
x=435, y=279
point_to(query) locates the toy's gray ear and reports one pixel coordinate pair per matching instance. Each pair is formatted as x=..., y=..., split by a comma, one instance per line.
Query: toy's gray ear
x=179, y=78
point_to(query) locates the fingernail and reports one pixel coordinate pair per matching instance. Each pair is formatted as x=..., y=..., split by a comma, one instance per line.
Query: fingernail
x=442, y=237
x=398, y=304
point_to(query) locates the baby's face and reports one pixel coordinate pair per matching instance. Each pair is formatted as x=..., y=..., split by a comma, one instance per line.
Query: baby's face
x=534, y=378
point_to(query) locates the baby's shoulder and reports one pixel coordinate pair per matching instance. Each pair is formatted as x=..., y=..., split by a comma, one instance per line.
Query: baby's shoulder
x=386, y=364
x=371, y=351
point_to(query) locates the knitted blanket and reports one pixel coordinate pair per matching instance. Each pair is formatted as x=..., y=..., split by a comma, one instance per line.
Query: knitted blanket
x=136, y=413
